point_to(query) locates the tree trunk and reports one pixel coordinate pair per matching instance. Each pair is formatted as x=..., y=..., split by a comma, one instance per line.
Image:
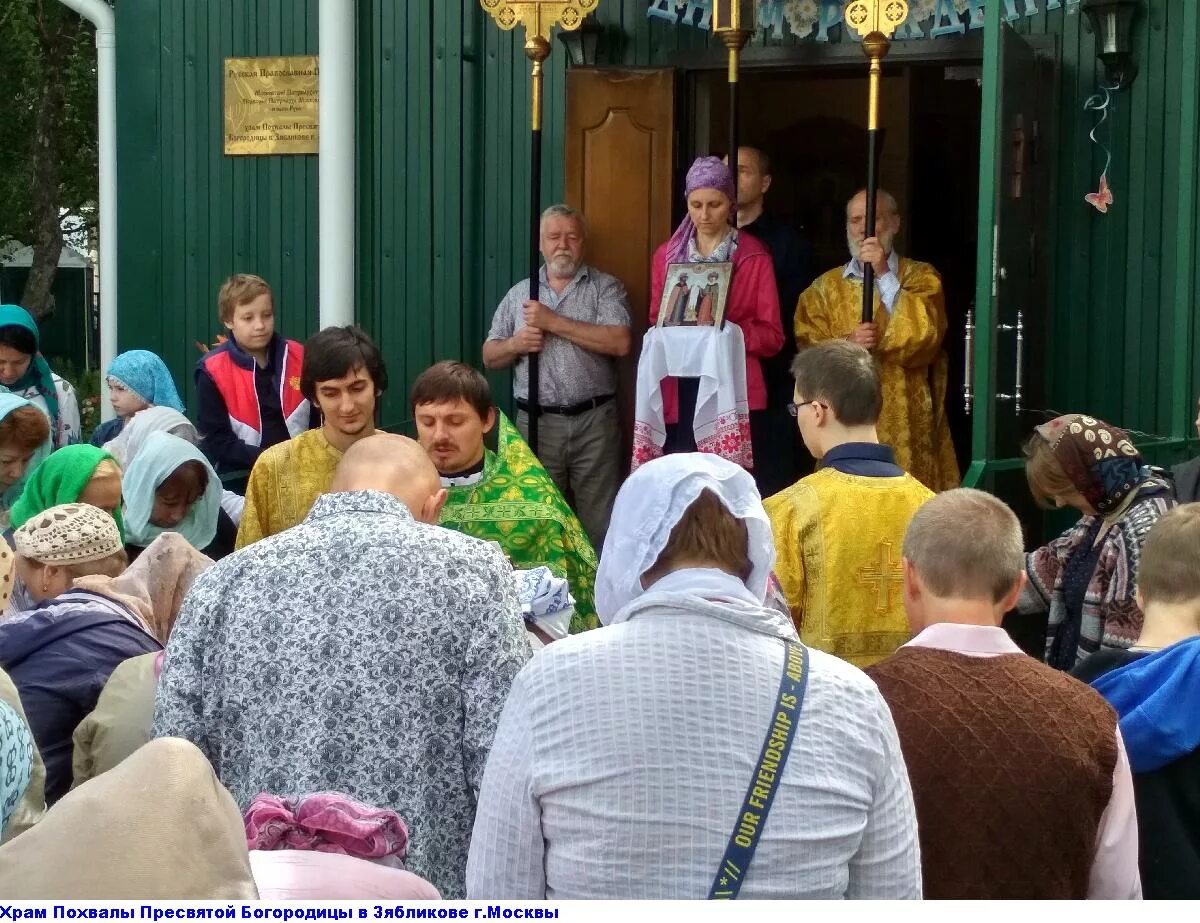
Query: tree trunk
x=45, y=196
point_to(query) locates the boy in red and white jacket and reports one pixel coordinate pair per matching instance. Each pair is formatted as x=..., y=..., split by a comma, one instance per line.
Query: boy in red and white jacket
x=248, y=388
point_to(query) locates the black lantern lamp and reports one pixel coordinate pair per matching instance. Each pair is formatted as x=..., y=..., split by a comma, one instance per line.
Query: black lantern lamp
x=1112, y=24
x=583, y=43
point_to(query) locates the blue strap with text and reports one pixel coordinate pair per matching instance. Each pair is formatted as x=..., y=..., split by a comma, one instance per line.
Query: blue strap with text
x=747, y=830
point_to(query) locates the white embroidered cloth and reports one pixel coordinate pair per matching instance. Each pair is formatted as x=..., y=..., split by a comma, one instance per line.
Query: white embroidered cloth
x=722, y=420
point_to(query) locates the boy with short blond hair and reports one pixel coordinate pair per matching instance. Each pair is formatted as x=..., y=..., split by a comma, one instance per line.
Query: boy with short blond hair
x=1154, y=686
x=248, y=388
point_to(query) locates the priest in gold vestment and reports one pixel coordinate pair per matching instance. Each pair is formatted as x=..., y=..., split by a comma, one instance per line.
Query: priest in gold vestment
x=905, y=336
x=839, y=531
x=343, y=376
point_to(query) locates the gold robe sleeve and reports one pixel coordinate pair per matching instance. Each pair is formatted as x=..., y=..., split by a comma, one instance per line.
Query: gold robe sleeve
x=819, y=315
x=256, y=514
x=916, y=325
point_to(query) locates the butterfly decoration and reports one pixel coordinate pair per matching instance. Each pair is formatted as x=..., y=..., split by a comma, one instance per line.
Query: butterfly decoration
x=1100, y=102
x=1103, y=198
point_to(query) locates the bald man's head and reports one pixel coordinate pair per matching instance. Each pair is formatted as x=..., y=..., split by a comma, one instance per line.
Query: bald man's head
x=395, y=465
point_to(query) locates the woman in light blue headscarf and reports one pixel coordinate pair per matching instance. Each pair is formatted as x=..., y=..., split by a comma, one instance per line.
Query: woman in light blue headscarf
x=25, y=373
x=169, y=486
x=137, y=379
x=24, y=442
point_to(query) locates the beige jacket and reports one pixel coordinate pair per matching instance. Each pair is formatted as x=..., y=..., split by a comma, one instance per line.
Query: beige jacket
x=120, y=722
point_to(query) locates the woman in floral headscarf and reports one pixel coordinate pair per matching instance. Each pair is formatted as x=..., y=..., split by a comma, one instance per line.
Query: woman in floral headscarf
x=708, y=234
x=1086, y=579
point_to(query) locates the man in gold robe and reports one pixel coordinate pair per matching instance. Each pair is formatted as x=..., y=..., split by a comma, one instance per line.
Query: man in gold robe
x=905, y=336
x=838, y=532
x=343, y=376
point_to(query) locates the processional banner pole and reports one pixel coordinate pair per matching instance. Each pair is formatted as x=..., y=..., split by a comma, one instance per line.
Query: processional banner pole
x=733, y=23
x=538, y=17
x=875, y=21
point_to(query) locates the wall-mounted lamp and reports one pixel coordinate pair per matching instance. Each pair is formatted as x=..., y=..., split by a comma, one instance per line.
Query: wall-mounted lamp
x=582, y=44
x=1112, y=24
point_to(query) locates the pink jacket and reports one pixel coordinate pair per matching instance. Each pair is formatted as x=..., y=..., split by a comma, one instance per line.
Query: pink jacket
x=753, y=305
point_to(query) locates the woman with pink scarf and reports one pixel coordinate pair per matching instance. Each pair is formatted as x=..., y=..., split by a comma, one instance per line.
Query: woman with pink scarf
x=708, y=234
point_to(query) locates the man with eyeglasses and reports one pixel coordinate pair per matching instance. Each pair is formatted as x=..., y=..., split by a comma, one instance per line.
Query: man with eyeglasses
x=838, y=532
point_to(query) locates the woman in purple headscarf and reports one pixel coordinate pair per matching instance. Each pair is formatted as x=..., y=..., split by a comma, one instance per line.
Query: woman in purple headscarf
x=707, y=235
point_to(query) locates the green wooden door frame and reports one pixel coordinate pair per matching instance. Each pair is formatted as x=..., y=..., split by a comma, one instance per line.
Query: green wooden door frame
x=983, y=382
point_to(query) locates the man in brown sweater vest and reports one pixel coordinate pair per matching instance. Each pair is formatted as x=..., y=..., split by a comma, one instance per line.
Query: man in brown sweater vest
x=1019, y=773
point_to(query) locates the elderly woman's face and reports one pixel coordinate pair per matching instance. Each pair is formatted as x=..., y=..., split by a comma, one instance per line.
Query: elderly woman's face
x=13, y=364
x=14, y=463
x=43, y=581
x=709, y=210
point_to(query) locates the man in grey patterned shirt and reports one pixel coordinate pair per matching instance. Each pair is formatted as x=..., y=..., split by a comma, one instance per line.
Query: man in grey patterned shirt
x=365, y=651
x=580, y=326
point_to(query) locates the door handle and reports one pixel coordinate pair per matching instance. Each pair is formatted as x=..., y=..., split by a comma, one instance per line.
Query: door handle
x=1017, y=396
x=969, y=362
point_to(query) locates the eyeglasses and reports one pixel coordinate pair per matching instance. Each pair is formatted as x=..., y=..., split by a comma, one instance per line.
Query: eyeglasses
x=794, y=407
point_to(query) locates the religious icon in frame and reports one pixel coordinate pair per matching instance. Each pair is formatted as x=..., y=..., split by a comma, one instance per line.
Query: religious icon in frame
x=694, y=295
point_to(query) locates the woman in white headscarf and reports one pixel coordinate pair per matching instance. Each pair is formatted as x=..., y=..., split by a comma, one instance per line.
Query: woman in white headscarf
x=142, y=424
x=638, y=794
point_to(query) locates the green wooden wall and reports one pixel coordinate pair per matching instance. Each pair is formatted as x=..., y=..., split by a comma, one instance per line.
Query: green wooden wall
x=189, y=215
x=443, y=188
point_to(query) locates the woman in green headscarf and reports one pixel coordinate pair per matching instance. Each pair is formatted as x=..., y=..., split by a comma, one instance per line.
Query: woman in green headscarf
x=25, y=373
x=76, y=474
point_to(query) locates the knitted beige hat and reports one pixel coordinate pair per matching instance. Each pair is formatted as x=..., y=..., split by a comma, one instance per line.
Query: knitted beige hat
x=72, y=533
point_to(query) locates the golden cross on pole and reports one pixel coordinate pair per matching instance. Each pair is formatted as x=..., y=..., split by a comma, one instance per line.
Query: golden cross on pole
x=538, y=17
x=883, y=575
x=875, y=21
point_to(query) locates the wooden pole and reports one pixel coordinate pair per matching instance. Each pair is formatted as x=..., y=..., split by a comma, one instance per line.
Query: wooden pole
x=875, y=21
x=538, y=17
x=871, y=42
x=537, y=49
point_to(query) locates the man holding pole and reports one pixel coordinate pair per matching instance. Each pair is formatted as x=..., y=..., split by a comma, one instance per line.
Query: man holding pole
x=579, y=326
x=905, y=335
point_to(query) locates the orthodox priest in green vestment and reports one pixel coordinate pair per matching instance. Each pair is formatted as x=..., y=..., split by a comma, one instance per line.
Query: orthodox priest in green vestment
x=516, y=504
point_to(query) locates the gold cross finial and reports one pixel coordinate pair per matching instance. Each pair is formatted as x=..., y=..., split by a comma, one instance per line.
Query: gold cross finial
x=869, y=16
x=539, y=16
x=883, y=575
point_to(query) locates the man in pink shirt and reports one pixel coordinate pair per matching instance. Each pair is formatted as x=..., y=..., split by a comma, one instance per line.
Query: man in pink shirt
x=1019, y=773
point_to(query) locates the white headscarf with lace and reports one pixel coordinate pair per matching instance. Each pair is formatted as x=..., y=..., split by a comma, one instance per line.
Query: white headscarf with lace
x=651, y=503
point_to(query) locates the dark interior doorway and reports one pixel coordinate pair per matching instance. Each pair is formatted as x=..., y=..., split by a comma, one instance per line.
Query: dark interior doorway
x=812, y=123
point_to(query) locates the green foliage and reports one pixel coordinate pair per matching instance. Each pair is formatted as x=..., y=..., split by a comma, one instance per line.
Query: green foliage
x=48, y=66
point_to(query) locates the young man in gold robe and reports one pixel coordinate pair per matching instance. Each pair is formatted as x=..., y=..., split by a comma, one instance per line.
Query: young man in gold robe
x=838, y=531
x=343, y=376
x=905, y=336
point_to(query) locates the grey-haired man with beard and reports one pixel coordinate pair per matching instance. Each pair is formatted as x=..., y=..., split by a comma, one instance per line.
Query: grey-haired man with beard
x=580, y=326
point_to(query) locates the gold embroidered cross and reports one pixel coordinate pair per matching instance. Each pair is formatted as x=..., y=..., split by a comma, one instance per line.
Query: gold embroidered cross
x=883, y=575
